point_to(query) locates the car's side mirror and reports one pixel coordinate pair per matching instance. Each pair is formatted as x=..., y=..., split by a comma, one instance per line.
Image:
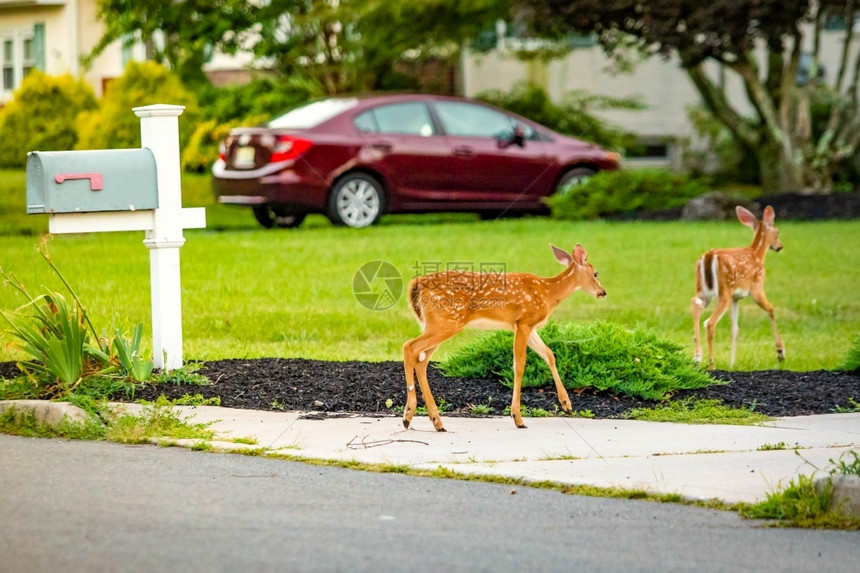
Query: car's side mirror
x=515, y=137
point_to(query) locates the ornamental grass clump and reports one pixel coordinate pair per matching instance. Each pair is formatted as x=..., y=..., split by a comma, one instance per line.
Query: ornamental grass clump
x=63, y=345
x=599, y=355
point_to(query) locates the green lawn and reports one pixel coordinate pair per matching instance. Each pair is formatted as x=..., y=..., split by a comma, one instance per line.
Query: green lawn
x=248, y=292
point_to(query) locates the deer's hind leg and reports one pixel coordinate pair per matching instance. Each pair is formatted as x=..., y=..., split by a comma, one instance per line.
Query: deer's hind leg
x=416, y=354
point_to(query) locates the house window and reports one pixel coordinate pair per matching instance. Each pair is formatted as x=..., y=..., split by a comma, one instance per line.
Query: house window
x=19, y=57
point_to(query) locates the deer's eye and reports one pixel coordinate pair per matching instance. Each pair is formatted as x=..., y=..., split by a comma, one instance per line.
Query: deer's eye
x=595, y=275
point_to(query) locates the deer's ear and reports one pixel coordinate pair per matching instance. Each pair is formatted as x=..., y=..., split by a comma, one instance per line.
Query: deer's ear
x=561, y=256
x=768, y=216
x=746, y=218
x=579, y=254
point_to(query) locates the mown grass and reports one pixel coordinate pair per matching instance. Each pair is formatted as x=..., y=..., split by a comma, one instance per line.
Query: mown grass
x=248, y=292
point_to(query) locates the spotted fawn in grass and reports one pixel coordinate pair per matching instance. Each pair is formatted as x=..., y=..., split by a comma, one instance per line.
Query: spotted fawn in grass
x=728, y=275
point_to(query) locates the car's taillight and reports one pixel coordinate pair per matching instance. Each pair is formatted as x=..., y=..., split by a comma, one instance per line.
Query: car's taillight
x=288, y=147
x=222, y=151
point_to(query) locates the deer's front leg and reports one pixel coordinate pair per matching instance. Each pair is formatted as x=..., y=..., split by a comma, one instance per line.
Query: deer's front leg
x=521, y=337
x=411, y=396
x=538, y=345
x=735, y=328
x=760, y=299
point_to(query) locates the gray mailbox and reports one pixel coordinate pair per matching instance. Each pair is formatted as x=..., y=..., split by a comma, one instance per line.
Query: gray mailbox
x=88, y=181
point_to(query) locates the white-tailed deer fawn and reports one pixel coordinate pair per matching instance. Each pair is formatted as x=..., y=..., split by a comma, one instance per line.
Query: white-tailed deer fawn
x=729, y=275
x=447, y=302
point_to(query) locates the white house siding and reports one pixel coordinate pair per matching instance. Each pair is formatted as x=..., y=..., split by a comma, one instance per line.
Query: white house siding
x=661, y=85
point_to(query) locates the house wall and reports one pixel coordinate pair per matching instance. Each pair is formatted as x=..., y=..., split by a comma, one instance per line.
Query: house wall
x=71, y=31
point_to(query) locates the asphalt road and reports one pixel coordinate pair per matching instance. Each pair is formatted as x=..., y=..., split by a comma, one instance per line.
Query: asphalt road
x=92, y=506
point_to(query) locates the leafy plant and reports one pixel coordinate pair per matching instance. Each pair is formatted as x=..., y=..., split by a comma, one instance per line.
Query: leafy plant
x=159, y=420
x=187, y=375
x=772, y=447
x=53, y=332
x=853, y=406
x=806, y=501
x=598, y=355
x=131, y=361
x=612, y=193
x=698, y=412
x=846, y=468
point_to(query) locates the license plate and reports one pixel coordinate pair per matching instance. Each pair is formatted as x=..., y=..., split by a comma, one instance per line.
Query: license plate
x=244, y=158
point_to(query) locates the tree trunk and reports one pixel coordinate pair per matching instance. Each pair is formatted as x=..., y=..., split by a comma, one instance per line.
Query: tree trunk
x=778, y=173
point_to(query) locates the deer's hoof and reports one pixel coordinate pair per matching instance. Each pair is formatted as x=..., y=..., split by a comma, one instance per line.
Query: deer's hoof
x=441, y=429
x=405, y=423
x=780, y=355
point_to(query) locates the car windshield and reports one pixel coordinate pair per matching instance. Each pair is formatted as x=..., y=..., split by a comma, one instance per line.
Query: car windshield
x=312, y=114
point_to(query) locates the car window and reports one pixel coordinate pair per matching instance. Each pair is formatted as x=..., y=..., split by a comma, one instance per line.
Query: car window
x=409, y=118
x=366, y=123
x=312, y=114
x=466, y=119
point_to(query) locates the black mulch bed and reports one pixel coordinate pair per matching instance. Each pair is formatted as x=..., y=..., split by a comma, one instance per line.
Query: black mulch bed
x=331, y=388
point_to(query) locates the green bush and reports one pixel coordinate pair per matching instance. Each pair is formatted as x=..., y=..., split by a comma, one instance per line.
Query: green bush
x=573, y=116
x=852, y=361
x=202, y=148
x=115, y=126
x=615, y=192
x=42, y=115
x=598, y=355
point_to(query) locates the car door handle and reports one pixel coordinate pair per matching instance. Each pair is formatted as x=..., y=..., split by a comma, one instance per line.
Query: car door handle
x=384, y=146
x=464, y=151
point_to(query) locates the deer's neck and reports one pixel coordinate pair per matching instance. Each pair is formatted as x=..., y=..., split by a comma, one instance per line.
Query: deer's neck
x=759, y=246
x=562, y=285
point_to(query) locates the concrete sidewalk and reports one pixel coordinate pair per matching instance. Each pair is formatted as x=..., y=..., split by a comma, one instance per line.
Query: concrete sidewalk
x=694, y=461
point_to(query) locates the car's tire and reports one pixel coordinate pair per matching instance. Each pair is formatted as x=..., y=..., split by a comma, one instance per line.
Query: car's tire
x=271, y=217
x=357, y=200
x=575, y=176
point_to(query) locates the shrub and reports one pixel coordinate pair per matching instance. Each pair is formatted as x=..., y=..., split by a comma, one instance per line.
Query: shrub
x=114, y=125
x=202, y=148
x=42, y=116
x=598, y=355
x=852, y=361
x=615, y=192
x=573, y=116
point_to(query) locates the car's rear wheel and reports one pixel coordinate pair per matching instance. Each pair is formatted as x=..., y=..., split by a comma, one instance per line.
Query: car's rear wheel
x=576, y=176
x=270, y=217
x=357, y=200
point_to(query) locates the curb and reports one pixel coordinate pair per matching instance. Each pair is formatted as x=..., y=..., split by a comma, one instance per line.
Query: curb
x=44, y=412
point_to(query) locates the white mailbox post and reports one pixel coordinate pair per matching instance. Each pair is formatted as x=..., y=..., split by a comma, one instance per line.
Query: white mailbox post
x=159, y=131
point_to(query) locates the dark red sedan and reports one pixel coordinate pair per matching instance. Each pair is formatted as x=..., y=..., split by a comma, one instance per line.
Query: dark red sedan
x=356, y=158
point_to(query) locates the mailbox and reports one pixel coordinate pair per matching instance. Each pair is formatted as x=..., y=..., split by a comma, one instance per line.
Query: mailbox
x=89, y=181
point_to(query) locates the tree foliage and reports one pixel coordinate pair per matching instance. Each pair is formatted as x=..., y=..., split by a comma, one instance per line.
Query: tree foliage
x=344, y=45
x=575, y=115
x=762, y=43
x=178, y=34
